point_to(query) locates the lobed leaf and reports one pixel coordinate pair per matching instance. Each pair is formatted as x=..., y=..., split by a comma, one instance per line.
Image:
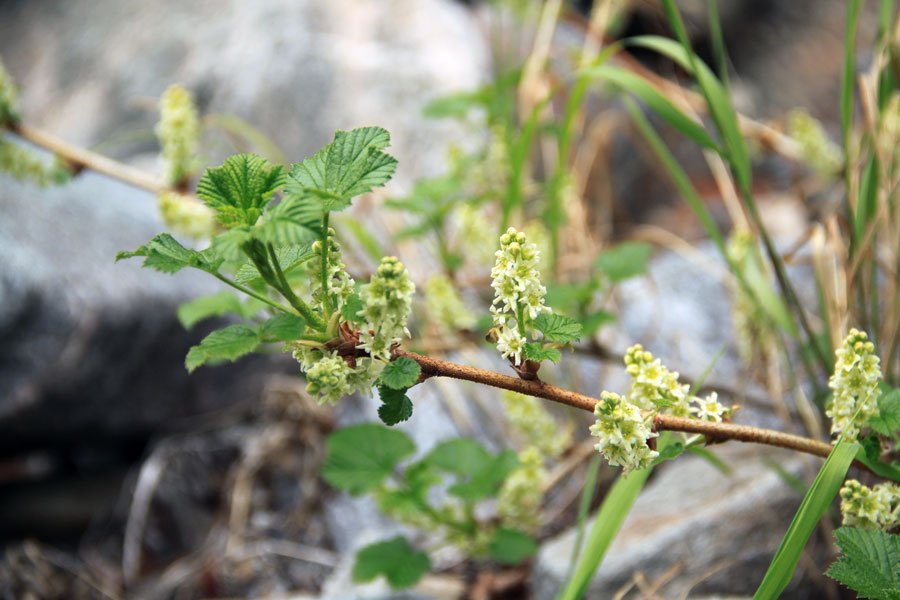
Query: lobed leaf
x=395, y=559
x=361, y=456
x=283, y=327
x=536, y=351
x=396, y=405
x=164, y=253
x=557, y=328
x=229, y=343
x=240, y=189
x=401, y=373
x=192, y=312
x=888, y=420
x=870, y=563
x=511, y=547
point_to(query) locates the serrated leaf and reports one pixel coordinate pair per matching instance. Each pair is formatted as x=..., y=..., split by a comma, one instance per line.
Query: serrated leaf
x=361, y=456
x=536, y=351
x=888, y=420
x=351, y=308
x=557, y=328
x=351, y=165
x=395, y=559
x=396, y=406
x=164, y=253
x=287, y=223
x=283, y=327
x=229, y=343
x=192, y=312
x=510, y=547
x=624, y=261
x=289, y=257
x=870, y=563
x=401, y=373
x=240, y=189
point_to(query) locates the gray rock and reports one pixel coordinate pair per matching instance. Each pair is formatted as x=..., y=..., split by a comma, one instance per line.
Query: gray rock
x=717, y=532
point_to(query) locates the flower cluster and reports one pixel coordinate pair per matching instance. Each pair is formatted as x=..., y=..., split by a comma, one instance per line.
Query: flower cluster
x=517, y=290
x=623, y=433
x=871, y=508
x=328, y=378
x=387, y=300
x=177, y=132
x=22, y=164
x=185, y=215
x=854, y=385
x=816, y=148
x=538, y=428
x=445, y=305
x=520, y=496
x=653, y=386
x=340, y=284
x=475, y=232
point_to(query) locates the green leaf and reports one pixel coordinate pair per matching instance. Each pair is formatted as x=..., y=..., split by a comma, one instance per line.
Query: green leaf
x=671, y=451
x=351, y=165
x=229, y=343
x=351, y=309
x=192, y=312
x=536, y=351
x=593, y=321
x=462, y=456
x=871, y=445
x=655, y=99
x=287, y=223
x=625, y=260
x=361, y=456
x=870, y=563
x=401, y=373
x=164, y=253
x=557, y=328
x=240, y=189
x=888, y=420
x=289, y=257
x=819, y=496
x=485, y=481
x=395, y=559
x=283, y=327
x=510, y=547
x=396, y=405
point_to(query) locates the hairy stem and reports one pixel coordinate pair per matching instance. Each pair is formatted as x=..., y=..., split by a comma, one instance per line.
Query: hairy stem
x=252, y=293
x=313, y=319
x=326, y=295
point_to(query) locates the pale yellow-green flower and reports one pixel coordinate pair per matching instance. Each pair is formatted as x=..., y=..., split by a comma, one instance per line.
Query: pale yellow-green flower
x=870, y=508
x=177, y=131
x=816, y=148
x=854, y=385
x=22, y=164
x=538, y=427
x=186, y=215
x=445, y=306
x=520, y=497
x=387, y=303
x=623, y=433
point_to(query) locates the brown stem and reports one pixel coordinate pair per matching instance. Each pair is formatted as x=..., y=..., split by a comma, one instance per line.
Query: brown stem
x=81, y=158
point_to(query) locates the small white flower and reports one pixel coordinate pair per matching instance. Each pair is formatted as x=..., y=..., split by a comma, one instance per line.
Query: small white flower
x=511, y=343
x=623, y=433
x=710, y=409
x=871, y=508
x=854, y=384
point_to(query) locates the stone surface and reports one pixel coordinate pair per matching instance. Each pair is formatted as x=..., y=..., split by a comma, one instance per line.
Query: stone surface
x=718, y=532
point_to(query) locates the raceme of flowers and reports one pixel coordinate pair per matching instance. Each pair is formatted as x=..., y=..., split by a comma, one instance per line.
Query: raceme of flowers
x=538, y=428
x=854, y=385
x=520, y=497
x=187, y=216
x=177, y=132
x=816, y=148
x=24, y=165
x=518, y=292
x=871, y=508
x=445, y=306
x=340, y=284
x=387, y=303
x=624, y=422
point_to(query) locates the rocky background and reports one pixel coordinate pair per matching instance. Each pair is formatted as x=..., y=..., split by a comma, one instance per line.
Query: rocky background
x=118, y=470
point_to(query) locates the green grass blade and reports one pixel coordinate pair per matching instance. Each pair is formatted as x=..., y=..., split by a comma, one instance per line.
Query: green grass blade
x=678, y=176
x=609, y=519
x=818, y=498
x=655, y=99
x=847, y=80
x=718, y=42
x=584, y=505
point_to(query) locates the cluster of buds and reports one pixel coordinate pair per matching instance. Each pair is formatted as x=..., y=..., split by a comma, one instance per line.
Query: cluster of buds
x=816, y=148
x=177, y=132
x=854, y=385
x=328, y=378
x=520, y=497
x=518, y=292
x=445, y=305
x=185, y=215
x=623, y=431
x=387, y=303
x=340, y=284
x=871, y=508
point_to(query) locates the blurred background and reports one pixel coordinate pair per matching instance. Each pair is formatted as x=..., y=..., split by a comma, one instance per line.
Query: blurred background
x=123, y=477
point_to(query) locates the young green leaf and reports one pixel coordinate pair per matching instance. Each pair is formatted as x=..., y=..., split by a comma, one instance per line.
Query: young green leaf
x=462, y=456
x=535, y=351
x=510, y=547
x=361, y=456
x=283, y=327
x=396, y=405
x=351, y=165
x=557, y=328
x=351, y=308
x=192, y=312
x=289, y=257
x=395, y=559
x=625, y=260
x=229, y=343
x=870, y=563
x=401, y=373
x=164, y=253
x=888, y=420
x=240, y=189
x=484, y=482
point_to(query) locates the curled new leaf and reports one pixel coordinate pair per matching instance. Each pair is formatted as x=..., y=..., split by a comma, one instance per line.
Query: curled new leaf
x=240, y=189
